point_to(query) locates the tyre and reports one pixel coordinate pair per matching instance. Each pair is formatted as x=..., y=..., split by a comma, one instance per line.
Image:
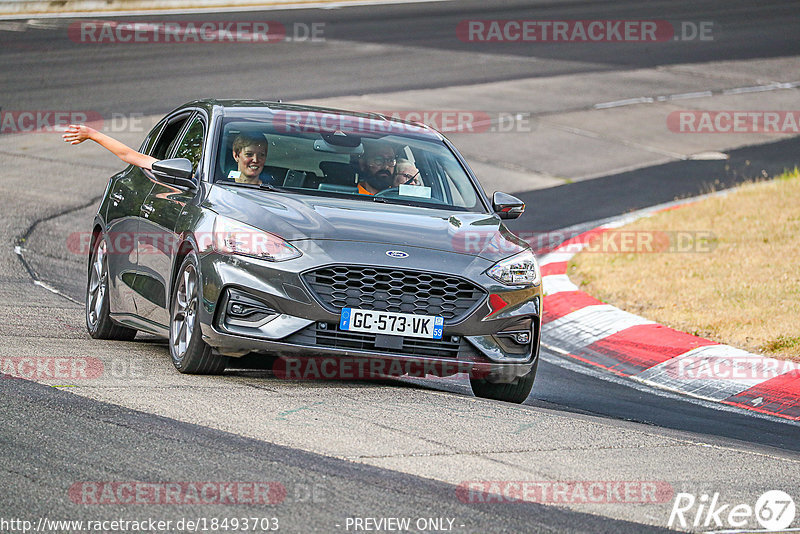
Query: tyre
x=98, y=318
x=516, y=391
x=190, y=354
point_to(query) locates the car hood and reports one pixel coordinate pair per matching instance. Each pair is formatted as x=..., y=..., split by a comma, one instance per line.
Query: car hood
x=303, y=217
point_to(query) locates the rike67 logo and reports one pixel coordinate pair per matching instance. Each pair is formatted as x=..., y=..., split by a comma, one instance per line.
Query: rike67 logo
x=774, y=510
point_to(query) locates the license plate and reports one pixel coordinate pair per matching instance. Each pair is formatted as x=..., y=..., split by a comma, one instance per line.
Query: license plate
x=395, y=324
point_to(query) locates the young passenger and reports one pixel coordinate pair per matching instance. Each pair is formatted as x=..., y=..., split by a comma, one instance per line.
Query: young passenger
x=249, y=152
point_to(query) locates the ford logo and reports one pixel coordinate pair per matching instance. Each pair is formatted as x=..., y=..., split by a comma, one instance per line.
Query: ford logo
x=396, y=254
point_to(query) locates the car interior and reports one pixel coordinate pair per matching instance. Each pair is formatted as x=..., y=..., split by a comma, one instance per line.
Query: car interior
x=327, y=165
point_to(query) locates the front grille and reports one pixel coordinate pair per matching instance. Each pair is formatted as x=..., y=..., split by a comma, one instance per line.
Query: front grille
x=453, y=347
x=394, y=290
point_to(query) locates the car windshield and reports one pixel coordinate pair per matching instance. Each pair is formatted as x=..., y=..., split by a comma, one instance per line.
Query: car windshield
x=328, y=154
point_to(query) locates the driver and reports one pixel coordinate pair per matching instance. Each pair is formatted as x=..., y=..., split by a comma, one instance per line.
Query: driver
x=376, y=168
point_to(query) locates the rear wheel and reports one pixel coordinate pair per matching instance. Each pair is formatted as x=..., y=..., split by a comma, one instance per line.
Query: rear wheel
x=516, y=391
x=98, y=319
x=190, y=354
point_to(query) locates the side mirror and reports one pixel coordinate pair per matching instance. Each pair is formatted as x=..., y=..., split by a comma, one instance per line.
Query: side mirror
x=507, y=206
x=177, y=171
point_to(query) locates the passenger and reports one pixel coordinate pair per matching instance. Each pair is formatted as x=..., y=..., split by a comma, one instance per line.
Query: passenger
x=405, y=173
x=250, y=153
x=376, y=168
x=78, y=133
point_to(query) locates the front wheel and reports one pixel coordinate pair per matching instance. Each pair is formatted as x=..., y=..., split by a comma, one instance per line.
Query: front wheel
x=516, y=391
x=190, y=354
x=98, y=315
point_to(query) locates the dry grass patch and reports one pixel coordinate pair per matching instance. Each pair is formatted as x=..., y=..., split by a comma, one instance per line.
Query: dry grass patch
x=740, y=282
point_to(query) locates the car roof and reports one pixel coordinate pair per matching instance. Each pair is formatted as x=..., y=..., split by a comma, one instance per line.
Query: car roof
x=378, y=121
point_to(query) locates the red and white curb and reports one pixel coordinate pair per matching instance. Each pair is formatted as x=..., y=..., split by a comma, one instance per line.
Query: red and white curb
x=581, y=327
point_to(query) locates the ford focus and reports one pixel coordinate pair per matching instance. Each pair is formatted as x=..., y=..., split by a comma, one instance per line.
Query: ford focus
x=295, y=232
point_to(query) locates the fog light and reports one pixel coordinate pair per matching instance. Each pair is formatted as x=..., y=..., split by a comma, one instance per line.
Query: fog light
x=244, y=310
x=522, y=338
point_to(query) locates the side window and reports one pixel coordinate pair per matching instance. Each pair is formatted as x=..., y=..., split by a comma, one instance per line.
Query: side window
x=171, y=131
x=191, y=146
x=147, y=145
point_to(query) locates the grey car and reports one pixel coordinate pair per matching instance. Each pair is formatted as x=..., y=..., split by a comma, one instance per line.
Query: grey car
x=301, y=264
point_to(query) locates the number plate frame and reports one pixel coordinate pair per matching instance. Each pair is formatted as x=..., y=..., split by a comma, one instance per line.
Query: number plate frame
x=391, y=323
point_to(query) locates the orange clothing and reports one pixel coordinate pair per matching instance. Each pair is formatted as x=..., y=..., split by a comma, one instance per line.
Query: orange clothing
x=363, y=191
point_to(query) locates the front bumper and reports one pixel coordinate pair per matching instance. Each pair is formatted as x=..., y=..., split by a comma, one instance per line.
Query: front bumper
x=300, y=326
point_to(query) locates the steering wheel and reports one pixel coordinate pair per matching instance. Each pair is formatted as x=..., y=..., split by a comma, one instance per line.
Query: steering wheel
x=392, y=192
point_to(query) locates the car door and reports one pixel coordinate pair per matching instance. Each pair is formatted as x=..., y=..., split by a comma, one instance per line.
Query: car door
x=159, y=216
x=127, y=193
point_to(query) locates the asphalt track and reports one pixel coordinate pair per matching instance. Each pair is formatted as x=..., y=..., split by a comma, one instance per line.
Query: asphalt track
x=52, y=438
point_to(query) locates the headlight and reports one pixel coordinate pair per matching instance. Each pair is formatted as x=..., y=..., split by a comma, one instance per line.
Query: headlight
x=233, y=237
x=519, y=269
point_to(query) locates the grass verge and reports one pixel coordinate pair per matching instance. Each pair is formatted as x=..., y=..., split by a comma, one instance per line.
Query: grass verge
x=726, y=268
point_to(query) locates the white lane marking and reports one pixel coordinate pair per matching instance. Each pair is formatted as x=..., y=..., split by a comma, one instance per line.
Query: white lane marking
x=583, y=327
x=688, y=96
x=561, y=359
x=715, y=372
x=709, y=156
x=760, y=88
x=319, y=4
x=625, y=102
x=56, y=291
x=776, y=86
x=18, y=250
x=557, y=283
